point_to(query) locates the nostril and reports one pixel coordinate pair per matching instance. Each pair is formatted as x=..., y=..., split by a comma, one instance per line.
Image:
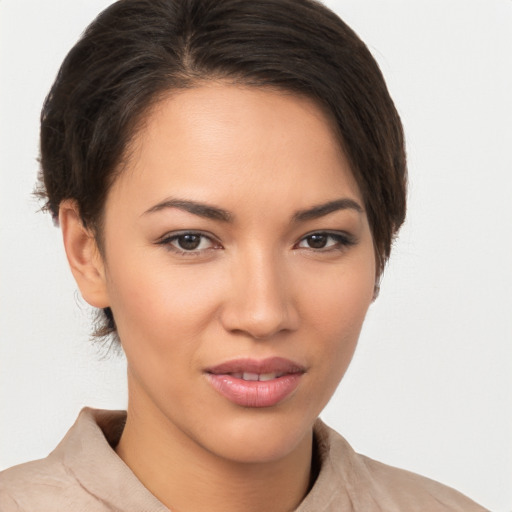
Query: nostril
x=259, y=326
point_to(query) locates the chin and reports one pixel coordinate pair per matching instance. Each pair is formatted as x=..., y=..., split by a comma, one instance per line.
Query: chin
x=258, y=436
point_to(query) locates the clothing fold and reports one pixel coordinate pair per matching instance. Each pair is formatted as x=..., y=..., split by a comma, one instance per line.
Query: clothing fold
x=84, y=473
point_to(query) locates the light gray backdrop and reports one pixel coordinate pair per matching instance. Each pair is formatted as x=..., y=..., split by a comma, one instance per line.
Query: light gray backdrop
x=430, y=386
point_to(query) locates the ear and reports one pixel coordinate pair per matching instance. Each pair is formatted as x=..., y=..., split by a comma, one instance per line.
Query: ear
x=376, y=290
x=379, y=269
x=83, y=255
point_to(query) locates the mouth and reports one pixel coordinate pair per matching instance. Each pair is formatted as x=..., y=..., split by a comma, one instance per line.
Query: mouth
x=247, y=369
x=256, y=383
x=262, y=377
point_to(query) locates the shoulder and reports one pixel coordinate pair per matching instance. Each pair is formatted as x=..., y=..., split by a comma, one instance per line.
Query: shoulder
x=82, y=474
x=370, y=485
x=65, y=480
x=41, y=485
x=414, y=492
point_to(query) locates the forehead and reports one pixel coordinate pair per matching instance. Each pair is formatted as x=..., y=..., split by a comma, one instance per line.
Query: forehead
x=218, y=140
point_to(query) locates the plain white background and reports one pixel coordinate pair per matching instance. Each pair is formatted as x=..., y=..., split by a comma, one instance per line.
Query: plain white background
x=430, y=386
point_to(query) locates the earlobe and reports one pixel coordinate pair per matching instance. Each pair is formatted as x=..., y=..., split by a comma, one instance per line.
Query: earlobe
x=83, y=255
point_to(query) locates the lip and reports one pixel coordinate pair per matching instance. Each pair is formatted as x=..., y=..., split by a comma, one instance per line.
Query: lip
x=225, y=379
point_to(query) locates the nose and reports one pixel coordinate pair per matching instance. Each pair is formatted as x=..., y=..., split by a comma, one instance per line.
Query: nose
x=260, y=301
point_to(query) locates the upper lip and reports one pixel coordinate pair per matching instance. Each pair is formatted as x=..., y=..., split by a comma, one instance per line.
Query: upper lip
x=260, y=366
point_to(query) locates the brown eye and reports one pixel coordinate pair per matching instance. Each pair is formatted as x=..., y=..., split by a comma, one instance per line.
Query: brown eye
x=317, y=241
x=326, y=241
x=188, y=242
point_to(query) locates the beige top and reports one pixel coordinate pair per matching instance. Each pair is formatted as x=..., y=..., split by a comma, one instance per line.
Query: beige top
x=85, y=474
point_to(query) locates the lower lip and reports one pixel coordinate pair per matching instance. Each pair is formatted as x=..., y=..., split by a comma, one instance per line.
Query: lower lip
x=252, y=393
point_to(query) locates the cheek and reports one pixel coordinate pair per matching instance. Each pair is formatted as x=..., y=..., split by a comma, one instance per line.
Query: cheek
x=336, y=307
x=339, y=298
x=158, y=305
x=161, y=313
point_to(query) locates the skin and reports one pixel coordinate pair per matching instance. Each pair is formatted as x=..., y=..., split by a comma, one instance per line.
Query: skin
x=255, y=287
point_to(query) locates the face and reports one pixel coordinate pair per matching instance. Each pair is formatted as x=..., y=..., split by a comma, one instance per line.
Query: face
x=239, y=267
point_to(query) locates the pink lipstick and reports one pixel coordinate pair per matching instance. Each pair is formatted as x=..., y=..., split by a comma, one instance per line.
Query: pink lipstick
x=256, y=383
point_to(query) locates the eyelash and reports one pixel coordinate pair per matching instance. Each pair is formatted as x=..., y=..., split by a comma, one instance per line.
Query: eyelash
x=341, y=242
x=168, y=240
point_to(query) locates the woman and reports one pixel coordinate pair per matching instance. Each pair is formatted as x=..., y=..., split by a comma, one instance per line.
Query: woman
x=228, y=177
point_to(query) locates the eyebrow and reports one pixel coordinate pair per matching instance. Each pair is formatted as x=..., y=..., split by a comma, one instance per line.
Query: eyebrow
x=320, y=210
x=215, y=213
x=200, y=209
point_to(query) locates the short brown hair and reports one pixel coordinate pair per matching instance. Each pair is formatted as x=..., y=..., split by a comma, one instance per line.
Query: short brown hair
x=137, y=50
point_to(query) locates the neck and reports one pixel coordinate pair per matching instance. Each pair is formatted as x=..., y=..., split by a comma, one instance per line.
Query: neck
x=186, y=477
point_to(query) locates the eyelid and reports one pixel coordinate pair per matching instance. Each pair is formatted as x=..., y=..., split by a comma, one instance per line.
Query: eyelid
x=169, y=237
x=343, y=238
